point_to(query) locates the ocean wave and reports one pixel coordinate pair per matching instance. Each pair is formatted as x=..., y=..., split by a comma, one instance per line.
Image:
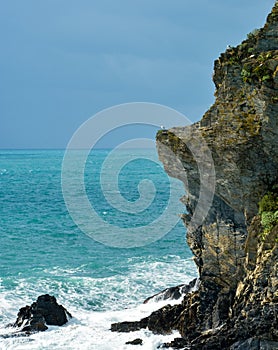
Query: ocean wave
x=95, y=303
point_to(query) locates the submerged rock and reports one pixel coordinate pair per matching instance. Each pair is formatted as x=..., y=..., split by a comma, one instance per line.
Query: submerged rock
x=45, y=311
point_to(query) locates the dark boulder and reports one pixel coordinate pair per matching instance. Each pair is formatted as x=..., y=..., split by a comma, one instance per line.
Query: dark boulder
x=54, y=314
x=136, y=341
x=45, y=311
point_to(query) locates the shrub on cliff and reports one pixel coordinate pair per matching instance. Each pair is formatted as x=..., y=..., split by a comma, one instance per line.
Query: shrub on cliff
x=268, y=210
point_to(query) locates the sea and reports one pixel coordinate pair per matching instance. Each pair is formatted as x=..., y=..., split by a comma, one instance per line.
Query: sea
x=45, y=249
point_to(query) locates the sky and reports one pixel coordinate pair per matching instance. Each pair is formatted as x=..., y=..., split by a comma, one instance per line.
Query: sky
x=62, y=61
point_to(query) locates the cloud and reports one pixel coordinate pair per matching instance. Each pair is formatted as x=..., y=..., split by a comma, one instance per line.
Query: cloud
x=78, y=57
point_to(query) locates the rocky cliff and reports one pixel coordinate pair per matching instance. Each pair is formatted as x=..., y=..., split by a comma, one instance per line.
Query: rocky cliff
x=235, y=247
x=235, y=236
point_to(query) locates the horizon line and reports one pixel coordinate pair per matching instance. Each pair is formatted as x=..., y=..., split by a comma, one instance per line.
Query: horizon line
x=64, y=149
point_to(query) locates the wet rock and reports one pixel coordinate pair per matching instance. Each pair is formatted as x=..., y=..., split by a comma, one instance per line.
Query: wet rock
x=136, y=341
x=174, y=293
x=177, y=343
x=164, y=320
x=36, y=323
x=129, y=326
x=53, y=313
x=16, y=335
x=255, y=344
x=45, y=311
x=161, y=321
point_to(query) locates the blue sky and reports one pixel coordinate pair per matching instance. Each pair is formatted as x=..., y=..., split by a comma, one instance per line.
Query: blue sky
x=62, y=60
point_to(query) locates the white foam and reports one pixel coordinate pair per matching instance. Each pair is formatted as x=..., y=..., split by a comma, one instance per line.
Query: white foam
x=95, y=303
x=90, y=330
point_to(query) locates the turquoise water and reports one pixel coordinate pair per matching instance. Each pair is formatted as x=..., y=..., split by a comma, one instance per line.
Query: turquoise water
x=44, y=251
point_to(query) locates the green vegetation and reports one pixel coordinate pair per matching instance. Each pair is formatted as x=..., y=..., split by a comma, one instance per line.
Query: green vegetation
x=250, y=123
x=160, y=132
x=269, y=202
x=246, y=74
x=273, y=16
x=258, y=68
x=268, y=210
x=232, y=56
x=171, y=139
x=253, y=34
x=235, y=55
x=269, y=219
x=175, y=142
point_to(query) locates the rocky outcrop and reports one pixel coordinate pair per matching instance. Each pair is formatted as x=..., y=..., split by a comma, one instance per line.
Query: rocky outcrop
x=136, y=341
x=45, y=311
x=174, y=293
x=230, y=158
x=162, y=321
x=237, y=298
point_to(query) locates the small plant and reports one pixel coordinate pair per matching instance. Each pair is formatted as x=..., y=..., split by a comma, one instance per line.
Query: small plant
x=266, y=77
x=268, y=210
x=159, y=132
x=253, y=34
x=232, y=60
x=170, y=138
x=269, y=202
x=269, y=219
x=258, y=69
x=246, y=75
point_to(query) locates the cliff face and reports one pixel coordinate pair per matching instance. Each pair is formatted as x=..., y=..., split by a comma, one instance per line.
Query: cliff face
x=228, y=162
x=235, y=247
